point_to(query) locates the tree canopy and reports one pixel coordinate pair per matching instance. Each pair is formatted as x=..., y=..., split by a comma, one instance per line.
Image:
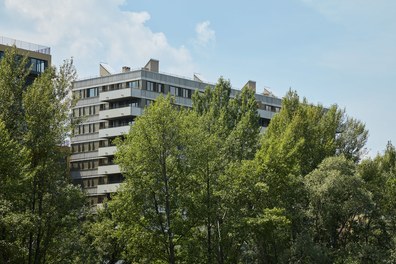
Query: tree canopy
x=39, y=205
x=202, y=185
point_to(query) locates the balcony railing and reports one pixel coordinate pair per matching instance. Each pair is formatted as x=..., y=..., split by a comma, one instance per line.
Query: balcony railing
x=25, y=45
x=108, y=169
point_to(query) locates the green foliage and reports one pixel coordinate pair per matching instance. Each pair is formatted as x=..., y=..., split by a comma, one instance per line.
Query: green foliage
x=339, y=205
x=379, y=235
x=175, y=205
x=13, y=74
x=200, y=189
x=39, y=206
x=230, y=126
x=13, y=220
x=301, y=135
x=155, y=203
x=351, y=139
x=270, y=231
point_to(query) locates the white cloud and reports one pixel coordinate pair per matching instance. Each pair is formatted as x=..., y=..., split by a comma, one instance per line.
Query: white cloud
x=94, y=32
x=204, y=34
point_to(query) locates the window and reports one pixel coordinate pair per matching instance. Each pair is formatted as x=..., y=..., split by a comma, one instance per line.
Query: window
x=85, y=165
x=75, y=148
x=133, y=84
x=92, y=92
x=186, y=93
x=172, y=90
x=37, y=65
x=150, y=86
x=160, y=88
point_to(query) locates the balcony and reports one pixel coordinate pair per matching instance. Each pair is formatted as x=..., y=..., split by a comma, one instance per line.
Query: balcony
x=108, y=188
x=91, y=191
x=80, y=174
x=113, y=131
x=84, y=156
x=107, y=151
x=108, y=169
x=115, y=94
x=120, y=112
x=265, y=114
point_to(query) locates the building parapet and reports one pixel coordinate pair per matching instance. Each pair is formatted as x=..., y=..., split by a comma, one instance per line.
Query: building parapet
x=25, y=45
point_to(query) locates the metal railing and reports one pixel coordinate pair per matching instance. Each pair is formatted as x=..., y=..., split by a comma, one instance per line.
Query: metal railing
x=25, y=45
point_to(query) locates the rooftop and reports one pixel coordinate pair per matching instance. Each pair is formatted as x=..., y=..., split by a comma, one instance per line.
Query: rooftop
x=25, y=45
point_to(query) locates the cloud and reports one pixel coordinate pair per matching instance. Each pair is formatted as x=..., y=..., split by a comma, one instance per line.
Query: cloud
x=204, y=34
x=93, y=33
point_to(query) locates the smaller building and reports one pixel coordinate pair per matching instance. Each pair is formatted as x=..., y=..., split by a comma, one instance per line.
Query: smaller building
x=39, y=56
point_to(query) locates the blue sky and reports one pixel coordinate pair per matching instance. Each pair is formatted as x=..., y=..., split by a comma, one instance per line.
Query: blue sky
x=330, y=51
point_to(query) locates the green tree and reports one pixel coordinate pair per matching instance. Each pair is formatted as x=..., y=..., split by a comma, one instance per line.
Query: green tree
x=379, y=175
x=37, y=117
x=154, y=208
x=54, y=202
x=13, y=74
x=13, y=219
x=339, y=205
x=351, y=139
x=296, y=141
x=231, y=130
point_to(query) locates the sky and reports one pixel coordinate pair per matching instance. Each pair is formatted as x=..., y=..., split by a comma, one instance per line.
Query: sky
x=330, y=51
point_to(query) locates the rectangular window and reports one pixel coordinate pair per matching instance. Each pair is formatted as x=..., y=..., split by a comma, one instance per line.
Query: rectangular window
x=75, y=148
x=186, y=93
x=172, y=90
x=179, y=92
x=92, y=92
x=160, y=88
x=150, y=86
x=133, y=84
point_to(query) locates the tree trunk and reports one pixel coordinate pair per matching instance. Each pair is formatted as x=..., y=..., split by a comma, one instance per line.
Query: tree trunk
x=208, y=225
x=37, y=255
x=168, y=214
x=32, y=211
x=220, y=248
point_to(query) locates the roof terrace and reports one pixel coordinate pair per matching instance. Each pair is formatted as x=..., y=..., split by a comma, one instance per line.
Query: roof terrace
x=25, y=45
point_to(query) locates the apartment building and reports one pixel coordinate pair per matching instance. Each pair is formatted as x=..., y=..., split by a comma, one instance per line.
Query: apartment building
x=39, y=56
x=108, y=106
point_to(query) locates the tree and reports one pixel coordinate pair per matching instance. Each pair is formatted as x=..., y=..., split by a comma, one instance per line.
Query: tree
x=37, y=117
x=178, y=166
x=154, y=208
x=351, y=139
x=296, y=141
x=379, y=176
x=13, y=74
x=13, y=219
x=339, y=205
x=232, y=130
